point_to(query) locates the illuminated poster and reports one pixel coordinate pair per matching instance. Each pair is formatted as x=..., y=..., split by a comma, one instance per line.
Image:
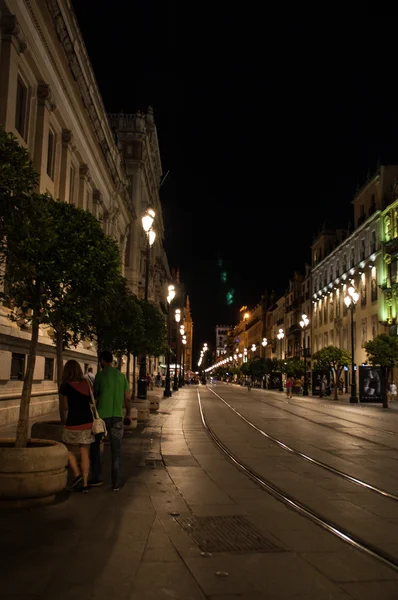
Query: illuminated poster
x=371, y=384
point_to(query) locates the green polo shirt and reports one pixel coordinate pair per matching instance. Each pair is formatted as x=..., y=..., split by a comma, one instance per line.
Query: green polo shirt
x=110, y=386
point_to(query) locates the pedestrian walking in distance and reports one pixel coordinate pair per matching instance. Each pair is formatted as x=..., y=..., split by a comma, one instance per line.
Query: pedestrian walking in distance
x=76, y=399
x=112, y=395
x=289, y=387
x=90, y=375
x=393, y=391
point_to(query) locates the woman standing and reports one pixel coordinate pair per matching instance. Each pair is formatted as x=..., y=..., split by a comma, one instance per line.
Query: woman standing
x=76, y=398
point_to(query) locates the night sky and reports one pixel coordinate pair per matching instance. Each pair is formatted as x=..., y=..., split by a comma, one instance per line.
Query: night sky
x=266, y=121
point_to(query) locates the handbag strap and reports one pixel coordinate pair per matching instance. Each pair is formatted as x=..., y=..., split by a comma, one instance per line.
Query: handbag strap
x=93, y=402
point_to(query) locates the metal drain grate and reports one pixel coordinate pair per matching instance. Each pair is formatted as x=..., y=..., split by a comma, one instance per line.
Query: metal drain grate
x=226, y=534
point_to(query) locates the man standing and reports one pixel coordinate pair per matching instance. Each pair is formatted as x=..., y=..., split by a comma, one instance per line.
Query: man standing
x=112, y=394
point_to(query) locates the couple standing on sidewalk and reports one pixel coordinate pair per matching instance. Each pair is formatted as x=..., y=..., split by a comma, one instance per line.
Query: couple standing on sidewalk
x=112, y=394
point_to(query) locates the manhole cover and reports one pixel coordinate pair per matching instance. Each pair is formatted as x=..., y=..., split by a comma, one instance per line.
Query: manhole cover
x=226, y=534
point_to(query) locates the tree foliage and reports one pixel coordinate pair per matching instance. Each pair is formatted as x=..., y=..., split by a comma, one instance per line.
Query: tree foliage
x=332, y=359
x=293, y=367
x=383, y=351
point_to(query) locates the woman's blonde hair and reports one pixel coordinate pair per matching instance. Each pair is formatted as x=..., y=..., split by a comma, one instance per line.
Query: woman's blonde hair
x=72, y=371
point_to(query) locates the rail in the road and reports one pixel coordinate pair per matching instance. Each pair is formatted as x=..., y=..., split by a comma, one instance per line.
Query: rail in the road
x=319, y=412
x=314, y=461
x=304, y=510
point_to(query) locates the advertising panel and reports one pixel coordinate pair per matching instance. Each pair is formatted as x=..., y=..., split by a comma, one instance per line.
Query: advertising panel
x=371, y=384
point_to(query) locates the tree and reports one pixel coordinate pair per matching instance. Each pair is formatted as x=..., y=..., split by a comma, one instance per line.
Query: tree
x=126, y=330
x=293, y=367
x=85, y=263
x=27, y=242
x=153, y=342
x=332, y=359
x=383, y=351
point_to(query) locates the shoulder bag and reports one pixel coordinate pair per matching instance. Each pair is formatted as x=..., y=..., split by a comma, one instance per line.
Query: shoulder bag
x=99, y=427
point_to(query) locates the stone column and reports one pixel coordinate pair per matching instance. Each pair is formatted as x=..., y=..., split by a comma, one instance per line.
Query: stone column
x=44, y=107
x=97, y=201
x=84, y=179
x=12, y=46
x=64, y=180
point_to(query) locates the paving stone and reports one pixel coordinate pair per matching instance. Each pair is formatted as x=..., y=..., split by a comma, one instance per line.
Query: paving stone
x=382, y=590
x=349, y=566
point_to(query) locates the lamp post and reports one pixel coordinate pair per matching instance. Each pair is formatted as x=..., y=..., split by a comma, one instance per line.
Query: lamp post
x=350, y=301
x=304, y=324
x=177, y=317
x=147, y=221
x=167, y=390
x=280, y=337
x=184, y=341
x=202, y=354
x=180, y=379
x=264, y=344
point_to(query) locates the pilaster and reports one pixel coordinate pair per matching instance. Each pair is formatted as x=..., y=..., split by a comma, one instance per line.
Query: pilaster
x=45, y=106
x=66, y=151
x=12, y=46
x=84, y=180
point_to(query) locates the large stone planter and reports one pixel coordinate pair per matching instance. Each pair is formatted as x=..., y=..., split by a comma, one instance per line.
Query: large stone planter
x=33, y=475
x=47, y=430
x=153, y=404
x=142, y=407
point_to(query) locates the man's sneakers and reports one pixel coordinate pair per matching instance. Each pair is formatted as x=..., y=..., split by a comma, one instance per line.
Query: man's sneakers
x=115, y=488
x=95, y=482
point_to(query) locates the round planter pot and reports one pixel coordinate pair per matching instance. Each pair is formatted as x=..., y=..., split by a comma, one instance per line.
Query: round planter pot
x=32, y=475
x=153, y=405
x=47, y=430
x=142, y=407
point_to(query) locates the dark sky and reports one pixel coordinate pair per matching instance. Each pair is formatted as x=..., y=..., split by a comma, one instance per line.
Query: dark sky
x=266, y=120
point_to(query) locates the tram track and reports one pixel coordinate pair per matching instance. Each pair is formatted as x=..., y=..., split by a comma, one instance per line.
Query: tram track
x=314, y=461
x=389, y=432
x=326, y=524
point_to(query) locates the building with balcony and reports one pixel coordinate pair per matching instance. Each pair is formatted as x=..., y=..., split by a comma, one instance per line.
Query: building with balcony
x=342, y=259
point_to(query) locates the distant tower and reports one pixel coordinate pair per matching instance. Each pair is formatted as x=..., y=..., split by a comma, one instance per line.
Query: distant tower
x=221, y=339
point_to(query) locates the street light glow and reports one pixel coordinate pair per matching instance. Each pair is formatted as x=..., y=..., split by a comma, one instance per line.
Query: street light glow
x=151, y=236
x=280, y=335
x=178, y=315
x=264, y=342
x=147, y=219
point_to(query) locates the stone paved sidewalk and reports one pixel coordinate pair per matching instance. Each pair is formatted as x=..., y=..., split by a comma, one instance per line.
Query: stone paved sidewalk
x=132, y=545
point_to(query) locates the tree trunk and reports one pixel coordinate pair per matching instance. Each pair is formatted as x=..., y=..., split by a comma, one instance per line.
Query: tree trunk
x=119, y=362
x=60, y=367
x=134, y=381
x=336, y=384
x=21, y=440
x=128, y=367
x=385, y=382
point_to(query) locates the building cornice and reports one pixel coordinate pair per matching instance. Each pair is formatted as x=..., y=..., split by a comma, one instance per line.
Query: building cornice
x=376, y=215
x=71, y=40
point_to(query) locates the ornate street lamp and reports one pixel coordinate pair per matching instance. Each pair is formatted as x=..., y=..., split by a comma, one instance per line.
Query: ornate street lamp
x=177, y=317
x=304, y=324
x=350, y=301
x=181, y=379
x=147, y=222
x=184, y=341
x=264, y=344
x=280, y=337
x=167, y=390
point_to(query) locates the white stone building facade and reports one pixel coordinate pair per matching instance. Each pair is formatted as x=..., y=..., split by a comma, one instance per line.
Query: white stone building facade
x=50, y=101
